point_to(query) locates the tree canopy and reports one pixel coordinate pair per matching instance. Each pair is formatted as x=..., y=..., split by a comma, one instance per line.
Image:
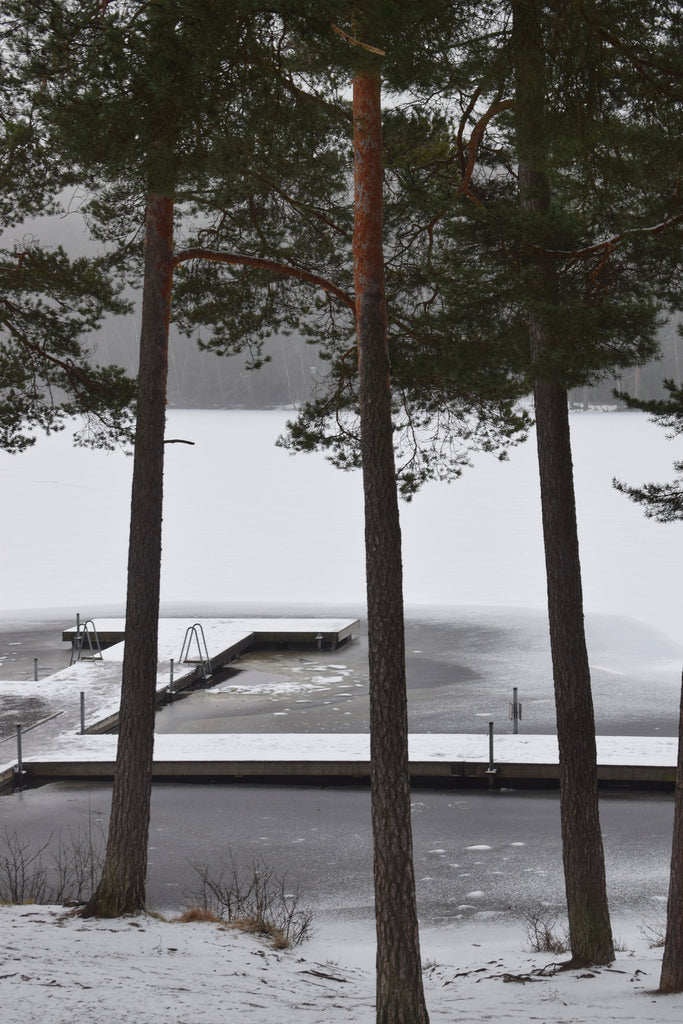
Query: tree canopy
x=663, y=502
x=48, y=300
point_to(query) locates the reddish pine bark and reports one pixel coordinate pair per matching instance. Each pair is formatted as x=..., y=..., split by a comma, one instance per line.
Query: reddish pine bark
x=122, y=887
x=400, y=996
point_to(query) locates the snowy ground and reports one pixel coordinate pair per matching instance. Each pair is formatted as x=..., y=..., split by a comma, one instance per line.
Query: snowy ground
x=247, y=528
x=59, y=969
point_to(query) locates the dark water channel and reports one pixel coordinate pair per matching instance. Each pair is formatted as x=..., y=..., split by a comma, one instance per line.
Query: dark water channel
x=475, y=853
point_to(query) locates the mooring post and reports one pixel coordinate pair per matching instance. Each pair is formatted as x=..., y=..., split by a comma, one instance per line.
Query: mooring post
x=82, y=712
x=20, y=760
x=491, y=770
x=35, y=670
x=170, y=679
x=515, y=710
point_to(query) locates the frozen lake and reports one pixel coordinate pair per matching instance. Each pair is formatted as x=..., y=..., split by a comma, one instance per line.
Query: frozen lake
x=249, y=529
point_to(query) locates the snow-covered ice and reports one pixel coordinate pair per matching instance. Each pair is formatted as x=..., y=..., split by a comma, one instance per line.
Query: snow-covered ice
x=248, y=525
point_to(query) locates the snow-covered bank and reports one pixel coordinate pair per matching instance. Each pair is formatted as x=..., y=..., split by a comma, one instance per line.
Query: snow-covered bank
x=58, y=969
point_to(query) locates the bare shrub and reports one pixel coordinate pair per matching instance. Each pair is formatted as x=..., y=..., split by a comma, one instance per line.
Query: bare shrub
x=77, y=863
x=23, y=876
x=63, y=869
x=654, y=934
x=542, y=936
x=255, y=899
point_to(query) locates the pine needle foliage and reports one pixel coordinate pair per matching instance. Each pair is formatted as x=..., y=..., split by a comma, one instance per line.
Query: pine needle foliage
x=663, y=502
x=49, y=301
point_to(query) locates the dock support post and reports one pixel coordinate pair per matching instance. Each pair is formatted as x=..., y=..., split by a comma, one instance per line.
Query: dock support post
x=82, y=712
x=170, y=679
x=35, y=670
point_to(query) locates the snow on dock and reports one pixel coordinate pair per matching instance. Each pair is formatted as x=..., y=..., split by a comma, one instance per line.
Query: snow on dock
x=439, y=759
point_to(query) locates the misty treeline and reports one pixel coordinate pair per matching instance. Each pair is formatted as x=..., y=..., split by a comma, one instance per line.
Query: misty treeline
x=200, y=379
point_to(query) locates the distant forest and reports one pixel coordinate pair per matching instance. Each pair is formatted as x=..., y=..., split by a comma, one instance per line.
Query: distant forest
x=203, y=380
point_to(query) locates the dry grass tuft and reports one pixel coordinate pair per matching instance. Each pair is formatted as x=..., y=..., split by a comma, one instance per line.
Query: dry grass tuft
x=198, y=914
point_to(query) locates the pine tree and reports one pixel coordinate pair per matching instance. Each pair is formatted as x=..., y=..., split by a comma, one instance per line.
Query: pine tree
x=584, y=863
x=664, y=502
x=48, y=302
x=144, y=104
x=400, y=995
x=312, y=210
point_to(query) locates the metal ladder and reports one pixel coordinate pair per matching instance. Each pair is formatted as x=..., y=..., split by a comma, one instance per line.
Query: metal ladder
x=196, y=632
x=85, y=631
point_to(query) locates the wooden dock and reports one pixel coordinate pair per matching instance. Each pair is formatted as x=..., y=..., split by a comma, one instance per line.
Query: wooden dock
x=215, y=644
x=438, y=760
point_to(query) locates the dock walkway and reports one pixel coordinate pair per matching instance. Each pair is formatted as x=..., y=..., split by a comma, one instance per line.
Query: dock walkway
x=337, y=758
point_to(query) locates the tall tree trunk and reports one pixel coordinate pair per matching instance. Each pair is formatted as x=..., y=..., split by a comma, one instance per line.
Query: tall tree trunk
x=582, y=849
x=583, y=855
x=400, y=996
x=122, y=887
x=671, y=979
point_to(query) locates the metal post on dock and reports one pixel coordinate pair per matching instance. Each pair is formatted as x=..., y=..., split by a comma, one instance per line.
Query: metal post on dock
x=491, y=770
x=170, y=678
x=20, y=760
x=515, y=711
x=35, y=670
x=82, y=712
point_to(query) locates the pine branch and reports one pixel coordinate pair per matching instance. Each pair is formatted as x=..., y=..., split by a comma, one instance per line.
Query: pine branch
x=473, y=147
x=297, y=204
x=81, y=382
x=609, y=245
x=643, y=64
x=357, y=42
x=284, y=269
